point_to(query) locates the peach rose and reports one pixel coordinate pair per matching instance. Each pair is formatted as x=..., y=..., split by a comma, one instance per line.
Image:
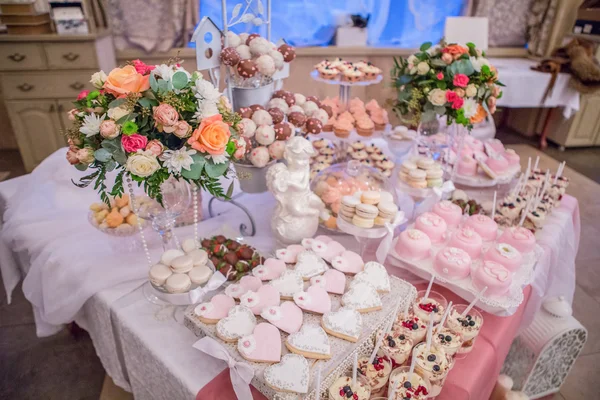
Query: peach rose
x=165, y=117
x=85, y=155
x=447, y=58
x=122, y=81
x=211, y=136
x=155, y=147
x=491, y=101
x=455, y=50
x=109, y=129
x=480, y=116
x=496, y=91
x=460, y=92
x=182, y=129
x=72, y=155
x=72, y=113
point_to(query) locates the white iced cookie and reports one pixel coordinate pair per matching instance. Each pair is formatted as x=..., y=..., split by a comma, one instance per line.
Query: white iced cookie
x=288, y=284
x=375, y=274
x=362, y=296
x=189, y=245
x=159, y=273
x=178, y=283
x=199, y=257
x=289, y=375
x=170, y=255
x=200, y=275
x=239, y=322
x=309, y=264
x=311, y=342
x=182, y=264
x=345, y=323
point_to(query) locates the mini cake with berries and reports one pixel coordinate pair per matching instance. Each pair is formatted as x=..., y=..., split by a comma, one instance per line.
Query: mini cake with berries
x=397, y=347
x=447, y=339
x=433, y=365
x=432, y=306
x=377, y=373
x=343, y=389
x=412, y=327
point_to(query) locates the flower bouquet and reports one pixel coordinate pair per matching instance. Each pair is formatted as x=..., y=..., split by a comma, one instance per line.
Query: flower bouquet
x=153, y=122
x=445, y=80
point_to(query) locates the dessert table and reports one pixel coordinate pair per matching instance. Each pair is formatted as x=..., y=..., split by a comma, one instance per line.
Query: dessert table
x=74, y=272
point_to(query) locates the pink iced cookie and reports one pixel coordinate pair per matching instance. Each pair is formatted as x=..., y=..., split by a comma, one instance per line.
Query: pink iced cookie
x=474, y=143
x=332, y=281
x=451, y=213
x=348, y=262
x=433, y=226
x=289, y=254
x=287, y=317
x=486, y=227
x=324, y=238
x=265, y=296
x=467, y=166
x=494, y=276
x=264, y=345
x=413, y=244
x=468, y=240
x=327, y=251
x=217, y=308
x=271, y=269
x=246, y=284
x=518, y=237
x=315, y=300
x=504, y=254
x=452, y=263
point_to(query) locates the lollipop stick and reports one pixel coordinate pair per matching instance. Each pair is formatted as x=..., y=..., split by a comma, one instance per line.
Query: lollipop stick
x=428, y=289
x=412, y=364
x=429, y=334
x=524, y=215
x=528, y=165
x=441, y=325
x=392, y=393
x=386, y=329
x=354, y=368
x=470, y=307
x=537, y=161
x=494, y=206
x=318, y=384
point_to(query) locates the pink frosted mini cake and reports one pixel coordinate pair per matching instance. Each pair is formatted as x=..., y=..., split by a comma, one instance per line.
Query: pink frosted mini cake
x=518, y=237
x=451, y=213
x=512, y=157
x=486, y=227
x=497, y=164
x=494, y=276
x=496, y=144
x=467, y=166
x=468, y=240
x=476, y=144
x=433, y=226
x=452, y=263
x=504, y=254
x=413, y=244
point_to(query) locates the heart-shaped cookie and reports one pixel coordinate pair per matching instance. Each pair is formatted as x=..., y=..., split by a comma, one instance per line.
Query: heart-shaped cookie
x=375, y=274
x=362, y=296
x=332, y=281
x=314, y=300
x=290, y=253
x=287, y=317
x=288, y=284
x=272, y=268
x=264, y=297
x=327, y=251
x=309, y=264
x=290, y=375
x=247, y=283
x=239, y=322
x=216, y=309
x=345, y=323
x=348, y=262
x=310, y=341
x=324, y=238
x=263, y=345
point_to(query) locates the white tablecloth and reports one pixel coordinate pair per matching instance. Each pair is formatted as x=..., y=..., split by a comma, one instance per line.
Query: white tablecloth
x=76, y=273
x=525, y=88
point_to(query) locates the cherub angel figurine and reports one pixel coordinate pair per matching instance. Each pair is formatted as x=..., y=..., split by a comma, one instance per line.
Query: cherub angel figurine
x=297, y=212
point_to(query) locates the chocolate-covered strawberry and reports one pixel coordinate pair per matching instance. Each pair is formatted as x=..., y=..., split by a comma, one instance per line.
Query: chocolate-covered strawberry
x=218, y=250
x=206, y=243
x=242, y=266
x=220, y=239
x=245, y=252
x=230, y=258
x=232, y=245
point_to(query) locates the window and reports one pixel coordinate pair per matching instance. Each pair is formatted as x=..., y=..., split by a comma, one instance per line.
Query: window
x=397, y=23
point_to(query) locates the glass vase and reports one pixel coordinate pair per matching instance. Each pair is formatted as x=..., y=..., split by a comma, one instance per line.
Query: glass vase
x=430, y=137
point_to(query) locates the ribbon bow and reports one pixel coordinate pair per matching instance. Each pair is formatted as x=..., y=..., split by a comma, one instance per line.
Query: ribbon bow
x=386, y=242
x=447, y=187
x=438, y=194
x=215, y=282
x=241, y=373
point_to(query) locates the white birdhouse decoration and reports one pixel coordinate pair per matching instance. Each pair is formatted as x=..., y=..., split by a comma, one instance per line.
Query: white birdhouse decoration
x=207, y=37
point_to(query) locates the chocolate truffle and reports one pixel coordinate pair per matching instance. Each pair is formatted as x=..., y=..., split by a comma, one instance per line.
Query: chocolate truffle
x=246, y=68
x=250, y=37
x=279, y=94
x=283, y=130
x=246, y=112
x=314, y=126
x=297, y=119
x=276, y=115
x=229, y=56
x=327, y=109
x=314, y=99
x=255, y=107
x=245, y=252
x=287, y=51
x=290, y=99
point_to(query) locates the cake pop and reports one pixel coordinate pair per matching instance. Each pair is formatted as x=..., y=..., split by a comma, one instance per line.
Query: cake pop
x=229, y=56
x=246, y=68
x=265, y=135
x=276, y=115
x=288, y=52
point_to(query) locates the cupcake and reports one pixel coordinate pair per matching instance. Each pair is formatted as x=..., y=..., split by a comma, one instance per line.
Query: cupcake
x=352, y=75
x=380, y=118
x=364, y=126
x=342, y=128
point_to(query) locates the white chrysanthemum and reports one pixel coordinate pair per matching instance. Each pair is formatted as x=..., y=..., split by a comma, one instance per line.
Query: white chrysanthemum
x=205, y=90
x=164, y=71
x=176, y=160
x=470, y=107
x=434, y=50
x=91, y=124
x=479, y=62
x=219, y=159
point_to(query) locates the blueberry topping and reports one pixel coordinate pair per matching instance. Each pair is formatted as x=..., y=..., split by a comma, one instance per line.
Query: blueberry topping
x=435, y=309
x=436, y=368
x=401, y=337
x=415, y=326
x=407, y=385
x=469, y=317
x=448, y=338
x=349, y=394
x=431, y=357
x=441, y=336
x=471, y=323
x=347, y=389
x=391, y=343
x=375, y=361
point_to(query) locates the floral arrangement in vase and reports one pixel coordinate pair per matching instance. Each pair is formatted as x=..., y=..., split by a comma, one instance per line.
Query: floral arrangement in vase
x=445, y=80
x=151, y=122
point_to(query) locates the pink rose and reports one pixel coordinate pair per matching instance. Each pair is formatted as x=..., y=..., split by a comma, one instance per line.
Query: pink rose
x=492, y=109
x=109, y=129
x=440, y=76
x=451, y=96
x=496, y=91
x=491, y=101
x=458, y=103
x=134, y=142
x=165, y=117
x=240, y=146
x=156, y=147
x=82, y=95
x=447, y=58
x=85, y=155
x=182, y=129
x=460, y=80
x=72, y=113
x=460, y=92
x=72, y=156
x=141, y=67
x=73, y=142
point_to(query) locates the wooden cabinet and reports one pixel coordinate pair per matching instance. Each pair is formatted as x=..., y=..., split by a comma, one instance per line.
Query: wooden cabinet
x=582, y=129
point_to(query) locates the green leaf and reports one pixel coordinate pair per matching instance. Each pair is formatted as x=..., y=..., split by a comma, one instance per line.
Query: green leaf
x=439, y=110
x=153, y=82
x=404, y=79
x=147, y=103
x=500, y=95
x=442, y=85
x=425, y=82
x=111, y=145
x=428, y=116
x=230, y=189
x=110, y=165
x=179, y=80
x=481, y=91
x=102, y=155
x=437, y=62
x=464, y=67
x=500, y=84
x=464, y=57
x=81, y=167
x=485, y=70
x=428, y=107
x=471, y=45
x=93, y=95
x=128, y=117
x=216, y=170
x=425, y=46
x=116, y=103
x=120, y=156
x=195, y=171
x=163, y=86
x=230, y=149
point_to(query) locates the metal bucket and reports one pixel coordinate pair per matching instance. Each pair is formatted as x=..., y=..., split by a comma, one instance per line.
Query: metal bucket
x=245, y=97
x=252, y=179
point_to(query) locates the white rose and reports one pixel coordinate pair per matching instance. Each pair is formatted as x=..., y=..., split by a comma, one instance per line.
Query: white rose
x=413, y=70
x=143, y=163
x=412, y=59
x=422, y=68
x=434, y=50
x=98, y=79
x=470, y=107
x=471, y=90
x=479, y=62
x=437, y=97
x=117, y=113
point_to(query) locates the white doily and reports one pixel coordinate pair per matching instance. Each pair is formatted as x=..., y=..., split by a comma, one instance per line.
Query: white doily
x=342, y=351
x=315, y=75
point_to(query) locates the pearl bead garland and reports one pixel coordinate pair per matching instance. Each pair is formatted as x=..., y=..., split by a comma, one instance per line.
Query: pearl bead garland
x=139, y=224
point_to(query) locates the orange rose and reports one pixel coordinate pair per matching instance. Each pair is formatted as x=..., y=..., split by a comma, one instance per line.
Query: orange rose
x=480, y=116
x=211, y=136
x=455, y=50
x=122, y=81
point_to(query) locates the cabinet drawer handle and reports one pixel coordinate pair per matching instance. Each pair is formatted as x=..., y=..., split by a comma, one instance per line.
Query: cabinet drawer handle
x=51, y=108
x=60, y=108
x=17, y=57
x=70, y=56
x=77, y=85
x=26, y=87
